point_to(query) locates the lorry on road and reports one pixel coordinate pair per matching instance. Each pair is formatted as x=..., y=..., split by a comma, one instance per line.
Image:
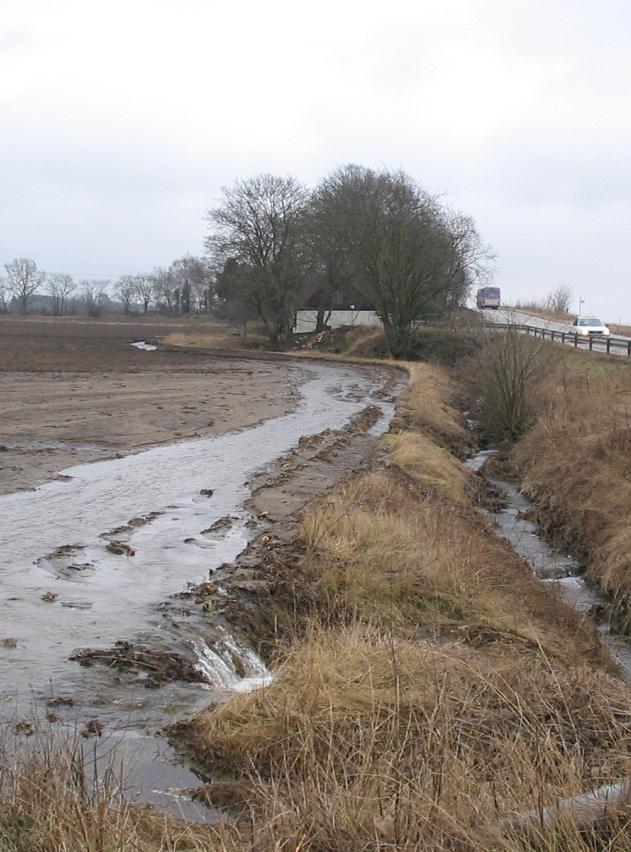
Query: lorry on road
x=488, y=297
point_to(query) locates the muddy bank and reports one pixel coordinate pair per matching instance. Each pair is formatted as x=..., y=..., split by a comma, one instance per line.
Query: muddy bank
x=209, y=631
x=51, y=421
x=94, y=556
x=518, y=521
x=411, y=642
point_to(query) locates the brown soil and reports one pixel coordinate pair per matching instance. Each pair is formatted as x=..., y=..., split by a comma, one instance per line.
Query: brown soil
x=73, y=391
x=239, y=596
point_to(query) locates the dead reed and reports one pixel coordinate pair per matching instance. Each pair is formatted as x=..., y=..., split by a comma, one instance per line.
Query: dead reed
x=438, y=689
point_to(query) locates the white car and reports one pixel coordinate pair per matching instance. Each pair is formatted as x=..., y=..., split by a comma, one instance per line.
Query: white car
x=589, y=327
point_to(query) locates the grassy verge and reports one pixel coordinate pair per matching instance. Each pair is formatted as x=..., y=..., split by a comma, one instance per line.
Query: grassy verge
x=565, y=418
x=575, y=462
x=430, y=686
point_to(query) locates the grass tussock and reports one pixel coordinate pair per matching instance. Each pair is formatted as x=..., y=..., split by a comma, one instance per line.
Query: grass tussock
x=435, y=688
x=385, y=550
x=365, y=739
x=576, y=464
x=50, y=801
x=425, y=407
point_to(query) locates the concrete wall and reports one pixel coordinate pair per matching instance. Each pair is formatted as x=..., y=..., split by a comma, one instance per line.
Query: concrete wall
x=306, y=320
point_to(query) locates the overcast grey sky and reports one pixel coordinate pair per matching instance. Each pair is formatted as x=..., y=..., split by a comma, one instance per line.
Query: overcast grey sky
x=121, y=119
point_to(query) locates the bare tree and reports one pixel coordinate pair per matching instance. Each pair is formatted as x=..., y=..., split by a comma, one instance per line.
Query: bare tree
x=126, y=290
x=24, y=278
x=331, y=275
x=259, y=225
x=60, y=287
x=233, y=283
x=194, y=283
x=412, y=257
x=145, y=289
x=505, y=378
x=94, y=296
x=560, y=300
x=166, y=289
x=4, y=296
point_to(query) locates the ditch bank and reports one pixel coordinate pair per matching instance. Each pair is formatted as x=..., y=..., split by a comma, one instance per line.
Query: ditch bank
x=123, y=607
x=427, y=685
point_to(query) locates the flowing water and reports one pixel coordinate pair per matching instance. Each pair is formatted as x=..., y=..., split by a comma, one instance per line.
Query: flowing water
x=560, y=570
x=64, y=588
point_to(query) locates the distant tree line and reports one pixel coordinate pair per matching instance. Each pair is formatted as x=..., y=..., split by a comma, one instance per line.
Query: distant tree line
x=186, y=286
x=361, y=237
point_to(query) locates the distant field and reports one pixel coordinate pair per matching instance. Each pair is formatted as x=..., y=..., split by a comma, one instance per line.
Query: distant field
x=76, y=390
x=48, y=343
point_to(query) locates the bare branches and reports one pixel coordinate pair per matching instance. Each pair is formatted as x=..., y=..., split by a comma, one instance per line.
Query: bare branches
x=560, y=300
x=144, y=286
x=23, y=280
x=405, y=252
x=60, y=288
x=259, y=225
x=94, y=295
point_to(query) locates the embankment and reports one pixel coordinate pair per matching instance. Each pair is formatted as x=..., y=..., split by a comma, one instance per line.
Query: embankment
x=575, y=464
x=427, y=686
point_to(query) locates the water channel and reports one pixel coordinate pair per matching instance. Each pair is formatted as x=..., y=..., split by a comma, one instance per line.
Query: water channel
x=560, y=570
x=63, y=588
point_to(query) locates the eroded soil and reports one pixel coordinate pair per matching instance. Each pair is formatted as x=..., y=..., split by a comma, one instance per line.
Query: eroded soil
x=72, y=392
x=235, y=598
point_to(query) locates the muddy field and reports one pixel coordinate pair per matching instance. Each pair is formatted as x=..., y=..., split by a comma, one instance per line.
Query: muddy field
x=116, y=560
x=75, y=390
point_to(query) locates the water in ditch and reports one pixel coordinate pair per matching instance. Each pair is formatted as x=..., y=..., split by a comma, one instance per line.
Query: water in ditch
x=560, y=570
x=86, y=560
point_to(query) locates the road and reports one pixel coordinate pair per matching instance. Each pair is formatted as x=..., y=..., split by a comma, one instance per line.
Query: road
x=512, y=316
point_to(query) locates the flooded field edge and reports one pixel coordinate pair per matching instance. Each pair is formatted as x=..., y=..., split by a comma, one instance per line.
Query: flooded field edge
x=193, y=640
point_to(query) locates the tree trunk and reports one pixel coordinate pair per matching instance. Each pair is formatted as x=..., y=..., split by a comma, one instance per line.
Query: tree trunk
x=322, y=318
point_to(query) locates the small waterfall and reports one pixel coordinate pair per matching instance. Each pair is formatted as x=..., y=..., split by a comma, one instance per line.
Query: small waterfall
x=219, y=665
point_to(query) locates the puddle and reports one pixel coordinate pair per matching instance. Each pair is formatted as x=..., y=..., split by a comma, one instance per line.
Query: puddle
x=87, y=558
x=146, y=347
x=551, y=566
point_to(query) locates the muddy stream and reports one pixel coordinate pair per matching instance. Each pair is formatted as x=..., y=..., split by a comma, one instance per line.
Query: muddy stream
x=549, y=565
x=88, y=558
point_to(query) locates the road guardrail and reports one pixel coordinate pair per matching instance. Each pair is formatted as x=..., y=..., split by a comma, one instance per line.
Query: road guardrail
x=610, y=345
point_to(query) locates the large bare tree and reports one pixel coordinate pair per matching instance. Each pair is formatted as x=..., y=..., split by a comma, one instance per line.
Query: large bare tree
x=23, y=280
x=411, y=257
x=331, y=275
x=259, y=224
x=60, y=288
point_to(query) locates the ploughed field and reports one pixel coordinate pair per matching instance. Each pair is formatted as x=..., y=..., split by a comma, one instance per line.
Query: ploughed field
x=74, y=390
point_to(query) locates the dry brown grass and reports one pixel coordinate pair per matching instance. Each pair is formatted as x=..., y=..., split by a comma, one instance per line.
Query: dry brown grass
x=576, y=463
x=368, y=741
x=624, y=330
x=438, y=688
x=212, y=340
x=50, y=802
x=426, y=407
x=387, y=550
x=538, y=309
